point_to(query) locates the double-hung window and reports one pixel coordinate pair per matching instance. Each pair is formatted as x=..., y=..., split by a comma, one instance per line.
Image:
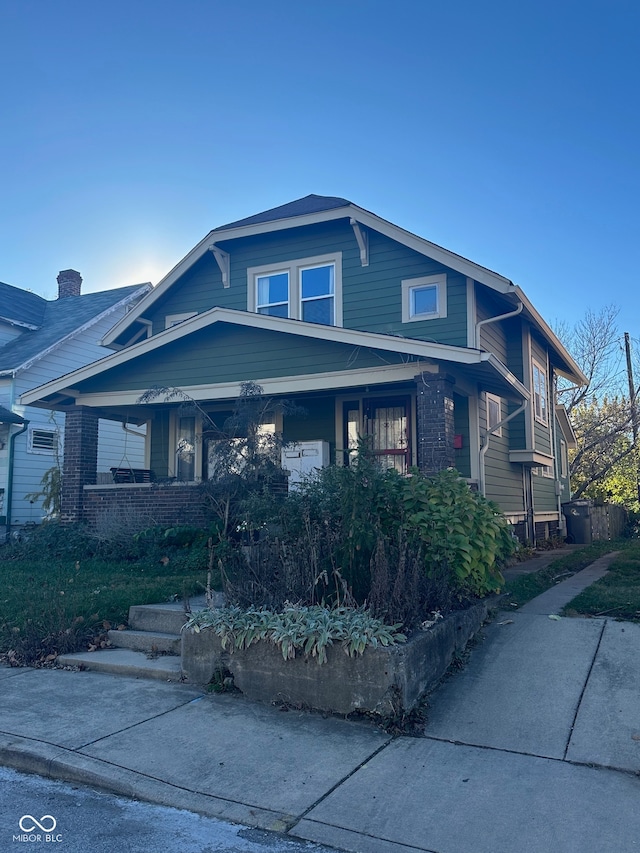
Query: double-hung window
x=272, y=293
x=540, y=393
x=308, y=289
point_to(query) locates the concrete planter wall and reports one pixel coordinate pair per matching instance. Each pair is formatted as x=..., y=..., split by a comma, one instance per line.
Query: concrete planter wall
x=383, y=681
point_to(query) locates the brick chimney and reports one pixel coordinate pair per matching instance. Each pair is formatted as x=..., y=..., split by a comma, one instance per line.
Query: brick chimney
x=69, y=283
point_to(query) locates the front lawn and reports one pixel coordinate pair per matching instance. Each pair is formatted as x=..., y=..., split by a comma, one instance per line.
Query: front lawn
x=617, y=594
x=58, y=596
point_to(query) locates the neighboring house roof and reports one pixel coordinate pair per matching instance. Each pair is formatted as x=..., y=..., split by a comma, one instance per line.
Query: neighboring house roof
x=21, y=308
x=485, y=366
x=312, y=209
x=7, y=417
x=60, y=318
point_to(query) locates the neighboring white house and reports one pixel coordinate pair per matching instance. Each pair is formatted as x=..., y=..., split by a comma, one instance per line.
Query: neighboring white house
x=41, y=340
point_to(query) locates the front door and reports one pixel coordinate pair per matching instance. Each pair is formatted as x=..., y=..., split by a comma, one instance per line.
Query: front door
x=386, y=422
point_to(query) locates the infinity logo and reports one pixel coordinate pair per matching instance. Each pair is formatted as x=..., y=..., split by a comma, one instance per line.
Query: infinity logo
x=37, y=823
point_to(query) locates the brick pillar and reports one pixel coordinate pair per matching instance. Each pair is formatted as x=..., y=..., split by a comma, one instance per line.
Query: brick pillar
x=435, y=426
x=80, y=460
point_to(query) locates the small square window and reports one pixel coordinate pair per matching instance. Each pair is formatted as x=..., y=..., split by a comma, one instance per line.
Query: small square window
x=172, y=320
x=424, y=298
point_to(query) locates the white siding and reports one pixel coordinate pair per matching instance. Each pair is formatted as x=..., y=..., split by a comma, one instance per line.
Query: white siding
x=29, y=467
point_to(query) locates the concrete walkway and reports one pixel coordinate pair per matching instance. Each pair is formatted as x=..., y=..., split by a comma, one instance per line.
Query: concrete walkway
x=534, y=746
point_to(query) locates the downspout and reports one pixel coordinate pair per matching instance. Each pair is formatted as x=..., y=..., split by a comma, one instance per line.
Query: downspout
x=556, y=474
x=485, y=444
x=12, y=438
x=488, y=320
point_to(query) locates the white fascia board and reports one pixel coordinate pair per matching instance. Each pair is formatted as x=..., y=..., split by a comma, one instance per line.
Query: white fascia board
x=566, y=426
x=575, y=374
x=336, y=334
x=352, y=211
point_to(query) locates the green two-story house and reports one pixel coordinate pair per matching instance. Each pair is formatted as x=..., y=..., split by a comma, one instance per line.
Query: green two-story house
x=372, y=330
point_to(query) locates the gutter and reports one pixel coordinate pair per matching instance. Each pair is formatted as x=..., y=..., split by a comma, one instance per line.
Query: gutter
x=488, y=320
x=12, y=438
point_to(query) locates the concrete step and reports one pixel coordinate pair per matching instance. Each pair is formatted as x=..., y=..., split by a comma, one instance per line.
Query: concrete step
x=146, y=641
x=167, y=618
x=157, y=618
x=126, y=662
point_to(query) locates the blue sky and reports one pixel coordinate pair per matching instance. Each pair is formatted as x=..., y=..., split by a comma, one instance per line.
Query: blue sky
x=506, y=132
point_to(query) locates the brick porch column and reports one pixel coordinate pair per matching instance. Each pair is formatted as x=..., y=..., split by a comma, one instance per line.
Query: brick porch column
x=80, y=460
x=435, y=427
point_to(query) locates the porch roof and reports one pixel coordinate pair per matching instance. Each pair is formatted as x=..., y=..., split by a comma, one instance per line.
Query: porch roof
x=81, y=387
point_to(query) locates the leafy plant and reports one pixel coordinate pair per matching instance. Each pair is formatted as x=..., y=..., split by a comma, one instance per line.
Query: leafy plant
x=460, y=529
x=298, y=628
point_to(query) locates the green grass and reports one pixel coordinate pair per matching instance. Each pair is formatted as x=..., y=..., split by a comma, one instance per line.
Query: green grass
x=56, y=599
x=617, y=594
x=526, y=587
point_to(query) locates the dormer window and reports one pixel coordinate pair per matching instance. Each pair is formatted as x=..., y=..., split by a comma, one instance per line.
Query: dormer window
x=308, y=289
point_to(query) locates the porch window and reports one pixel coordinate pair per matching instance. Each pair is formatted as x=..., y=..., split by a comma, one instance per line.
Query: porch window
x=186, y=449
x=386, y=423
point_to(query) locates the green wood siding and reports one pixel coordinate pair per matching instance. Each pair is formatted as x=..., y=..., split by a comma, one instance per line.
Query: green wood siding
x=227, y=353
x=544, y=494
x=372, y=295
x=503, y=479
x=493, y=336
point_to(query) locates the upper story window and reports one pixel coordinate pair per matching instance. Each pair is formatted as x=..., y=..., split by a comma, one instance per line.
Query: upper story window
x=308, y=289
x=494, y=413
x=273, y=294
x=424, y=298
x=540, y=393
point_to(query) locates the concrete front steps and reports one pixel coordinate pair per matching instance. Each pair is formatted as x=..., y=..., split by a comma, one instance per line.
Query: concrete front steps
x=150, y=648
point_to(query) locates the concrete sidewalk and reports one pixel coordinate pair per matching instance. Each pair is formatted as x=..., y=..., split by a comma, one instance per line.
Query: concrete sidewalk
x=534, y=746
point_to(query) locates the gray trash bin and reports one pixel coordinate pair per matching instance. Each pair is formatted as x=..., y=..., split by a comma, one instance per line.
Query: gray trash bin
x=578, y=515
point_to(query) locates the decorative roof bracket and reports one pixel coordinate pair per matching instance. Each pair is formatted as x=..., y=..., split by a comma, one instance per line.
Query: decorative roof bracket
x=363, y=242
x=223, y=261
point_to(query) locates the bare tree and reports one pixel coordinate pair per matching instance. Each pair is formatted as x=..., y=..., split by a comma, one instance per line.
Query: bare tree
x=600, y=411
